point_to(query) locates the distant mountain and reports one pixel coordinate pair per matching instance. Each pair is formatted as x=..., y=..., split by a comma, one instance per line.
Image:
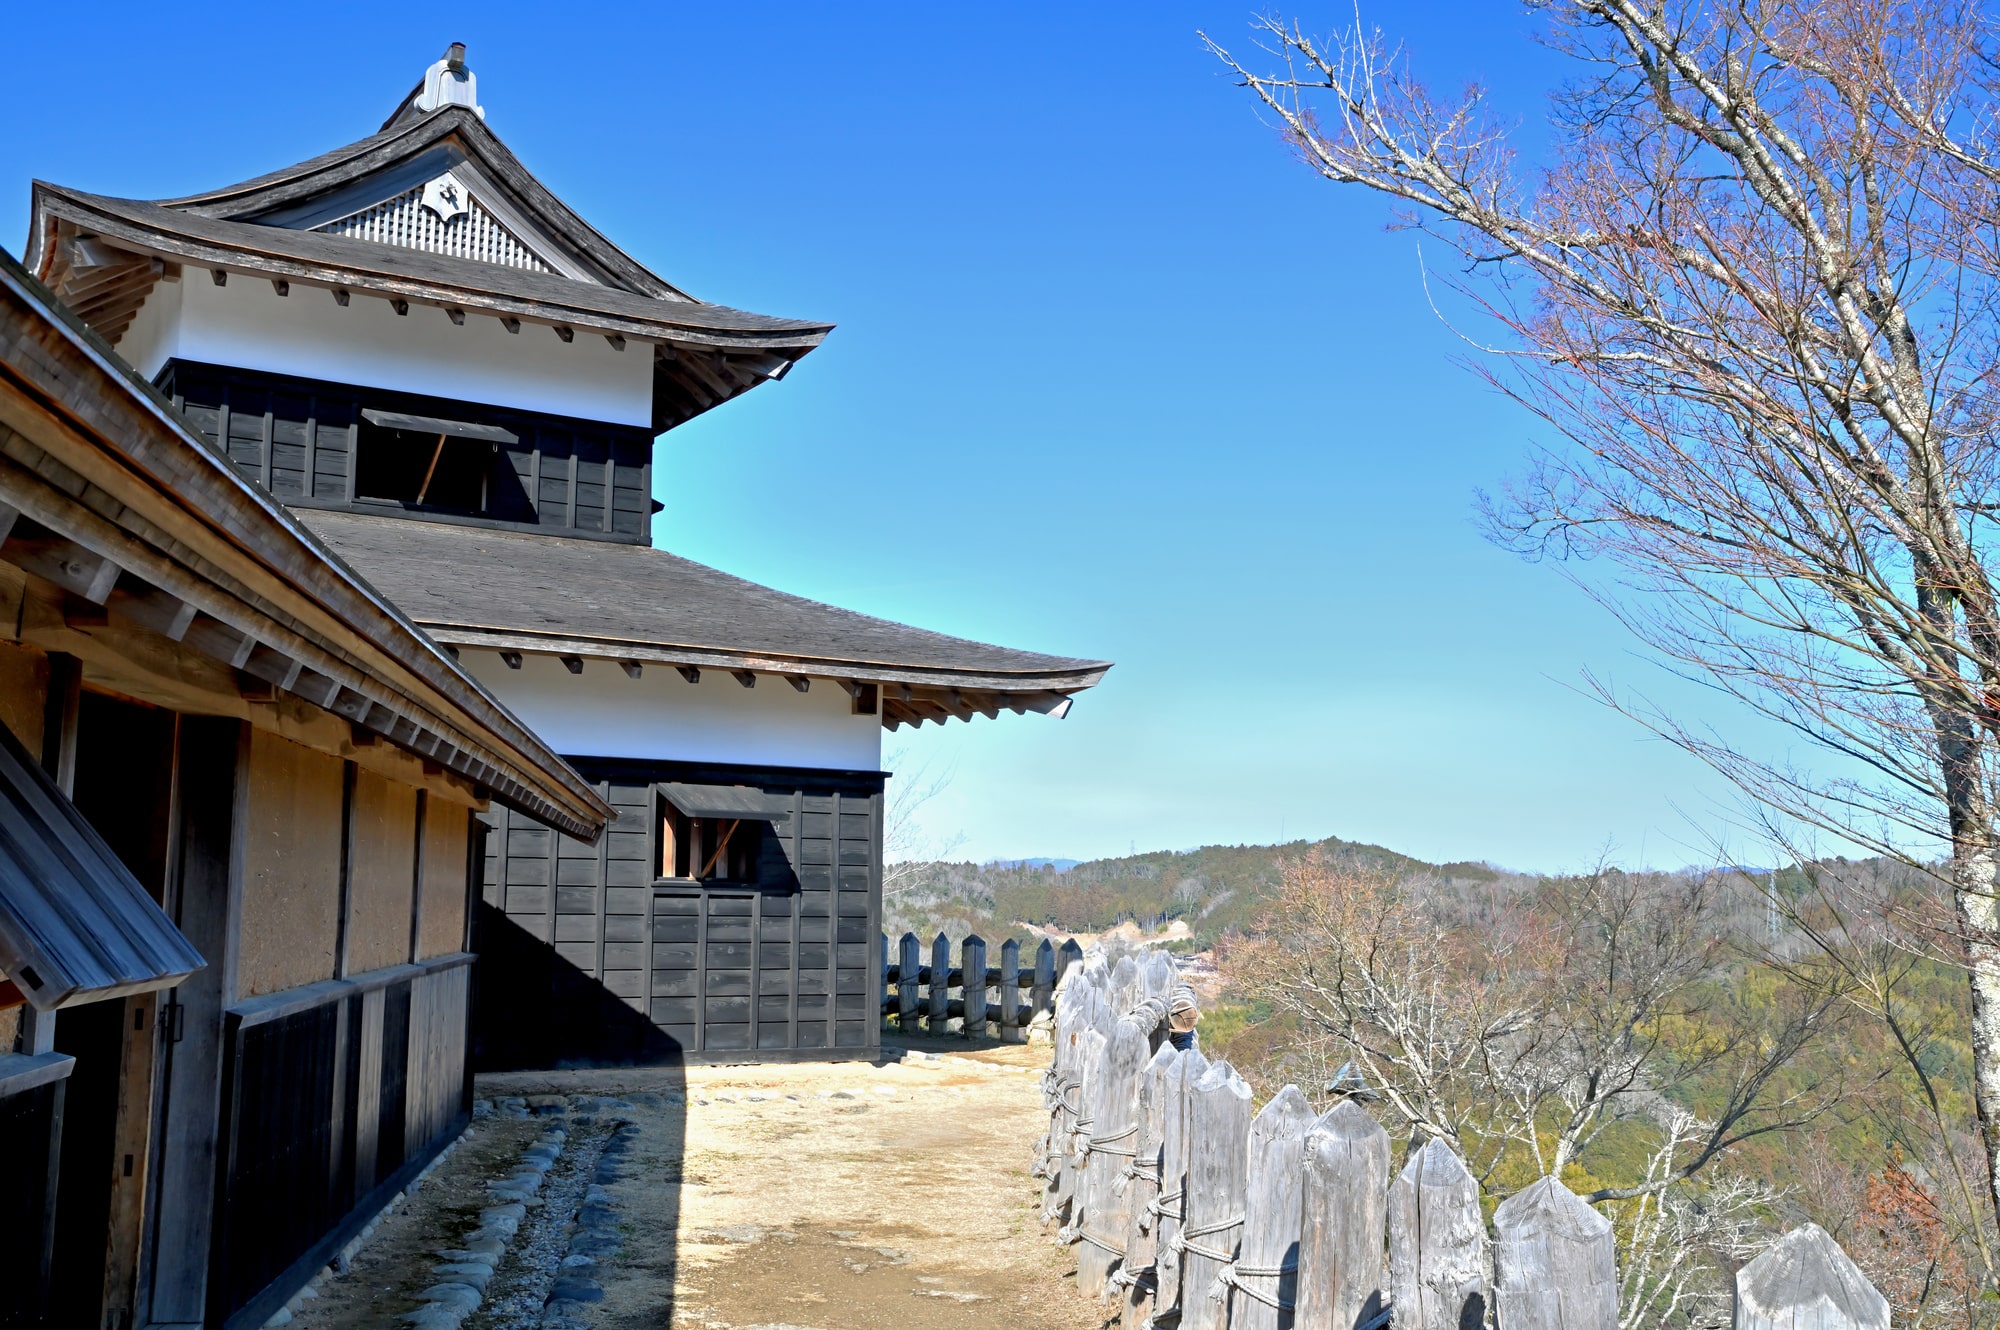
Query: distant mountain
x=1215, y=889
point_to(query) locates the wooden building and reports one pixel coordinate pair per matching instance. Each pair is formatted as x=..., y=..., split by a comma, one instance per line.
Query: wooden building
x=456, y=383
x=239, y=839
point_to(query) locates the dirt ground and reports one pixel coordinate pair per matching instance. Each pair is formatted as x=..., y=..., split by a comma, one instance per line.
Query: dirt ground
x=819, y=1196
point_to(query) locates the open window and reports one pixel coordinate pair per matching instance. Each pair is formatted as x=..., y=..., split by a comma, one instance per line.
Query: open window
x=428, y=462
x=715, y=833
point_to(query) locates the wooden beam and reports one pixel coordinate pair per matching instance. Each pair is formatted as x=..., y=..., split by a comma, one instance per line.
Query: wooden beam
x=748, y=678
x=798, y=681
x=692, y=673
x=574, y=664
x=511, y=659
x=340, y=297
x=62, y=561
x=632, y=668
x=567, y=334
x=281, y=286
x=511, y=324
x=456, y=315
x=220, y=276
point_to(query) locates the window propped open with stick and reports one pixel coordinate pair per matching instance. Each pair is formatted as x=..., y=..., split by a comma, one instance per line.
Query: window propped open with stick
x=715, y=833
x=427, y=462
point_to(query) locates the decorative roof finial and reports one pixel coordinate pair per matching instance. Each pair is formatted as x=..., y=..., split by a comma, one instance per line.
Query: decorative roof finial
x=450, y=83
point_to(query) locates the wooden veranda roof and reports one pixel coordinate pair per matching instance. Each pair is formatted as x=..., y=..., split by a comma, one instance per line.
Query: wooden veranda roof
x=524, y=591
x=103, y=256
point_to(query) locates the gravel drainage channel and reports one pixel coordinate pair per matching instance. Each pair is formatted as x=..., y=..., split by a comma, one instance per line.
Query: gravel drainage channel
x=568, y=1229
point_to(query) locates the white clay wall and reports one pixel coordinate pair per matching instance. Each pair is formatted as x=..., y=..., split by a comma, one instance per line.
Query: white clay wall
x=604, y=713
x=248, y=325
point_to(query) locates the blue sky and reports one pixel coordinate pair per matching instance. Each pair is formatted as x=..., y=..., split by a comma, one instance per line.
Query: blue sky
x=1113, y=377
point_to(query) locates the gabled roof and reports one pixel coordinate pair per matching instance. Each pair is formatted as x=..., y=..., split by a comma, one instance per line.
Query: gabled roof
x=520, y=255
x=105, y=492
x=523, y=591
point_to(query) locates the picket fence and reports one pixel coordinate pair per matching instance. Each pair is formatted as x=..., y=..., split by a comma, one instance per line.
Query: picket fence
x=918, y=997
x=1190, y=1207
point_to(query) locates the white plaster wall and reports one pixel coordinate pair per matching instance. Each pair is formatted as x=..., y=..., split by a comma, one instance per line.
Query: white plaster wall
x=248, y=325
x=603, y=713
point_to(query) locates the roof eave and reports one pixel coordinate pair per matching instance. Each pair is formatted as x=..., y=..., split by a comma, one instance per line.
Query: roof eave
x=298, y=623
x=55, y=204
x=1068, y=677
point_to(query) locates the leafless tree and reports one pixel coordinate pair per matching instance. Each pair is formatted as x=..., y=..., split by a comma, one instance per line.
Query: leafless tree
x=1523, y=1034
x=1753, y=289
x=907, y=850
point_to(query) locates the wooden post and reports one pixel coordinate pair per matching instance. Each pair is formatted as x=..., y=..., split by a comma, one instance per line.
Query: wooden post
x=1124, y=986
x=1067, y=955
x=1804, y=1281
x=1264, y=1279
x=1107, y=1209
x=1142, y=1226
x=1175, y=1143
x=1012, y=1029
x=1437, y=1238
x=972, y=959
x=940, y=983
x=1218, y=1140
x=1341, y=1220
x=1044, y=991
x=1090, y=1046
x=909, y=982
x=1555, y=1261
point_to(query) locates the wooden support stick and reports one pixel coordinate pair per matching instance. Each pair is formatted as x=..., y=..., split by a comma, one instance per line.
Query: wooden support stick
x=436, y=453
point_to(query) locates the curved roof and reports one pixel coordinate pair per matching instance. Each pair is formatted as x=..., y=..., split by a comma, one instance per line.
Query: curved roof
x=525, y=591
x=140, y=515
x=104, y=255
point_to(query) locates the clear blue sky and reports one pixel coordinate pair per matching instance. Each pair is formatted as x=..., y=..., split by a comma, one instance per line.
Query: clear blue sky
x=1113, y=377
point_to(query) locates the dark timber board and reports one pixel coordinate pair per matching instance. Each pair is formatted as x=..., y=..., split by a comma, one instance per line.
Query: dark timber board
x=297, y=437
x=588, y=957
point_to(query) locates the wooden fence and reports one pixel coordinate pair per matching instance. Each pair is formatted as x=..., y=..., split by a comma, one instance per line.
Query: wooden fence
x=1190, y=1206
x=917, y=996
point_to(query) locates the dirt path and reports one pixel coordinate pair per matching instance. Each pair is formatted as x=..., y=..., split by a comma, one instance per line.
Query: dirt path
x=835, y=1196
x=838, y=1196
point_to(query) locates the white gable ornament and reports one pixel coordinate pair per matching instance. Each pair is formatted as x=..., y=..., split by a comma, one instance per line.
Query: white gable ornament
x=446, y=198
x=450, y=83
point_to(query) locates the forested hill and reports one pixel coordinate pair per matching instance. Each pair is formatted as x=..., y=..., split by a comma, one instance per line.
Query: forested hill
x=1214, y=889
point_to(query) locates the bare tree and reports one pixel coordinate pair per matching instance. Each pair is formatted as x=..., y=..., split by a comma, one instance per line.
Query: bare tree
x=1754, y=290
x=907, y=851
x=1525, y=1031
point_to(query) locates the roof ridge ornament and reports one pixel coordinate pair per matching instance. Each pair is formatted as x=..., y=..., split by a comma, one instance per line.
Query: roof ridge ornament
x=450, y=83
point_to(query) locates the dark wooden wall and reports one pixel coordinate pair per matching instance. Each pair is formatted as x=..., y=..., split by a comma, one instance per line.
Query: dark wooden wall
x=297, y=437
x=333, y=1096
x=30, y=1127
x=587, y=955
